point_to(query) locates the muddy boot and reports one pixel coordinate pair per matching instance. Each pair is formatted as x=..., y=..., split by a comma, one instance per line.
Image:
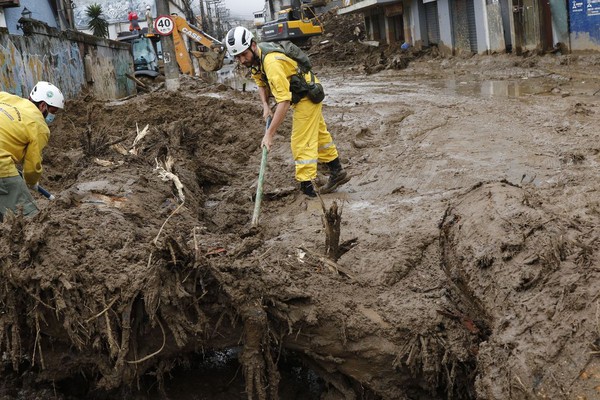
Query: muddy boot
x=337, y=178
x=308, y=189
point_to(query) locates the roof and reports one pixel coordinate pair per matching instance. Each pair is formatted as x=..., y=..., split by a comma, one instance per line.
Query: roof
x=365, y=5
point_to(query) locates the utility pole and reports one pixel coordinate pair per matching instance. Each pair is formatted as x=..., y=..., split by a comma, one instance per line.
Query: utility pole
x=168, y=51
x=209, y=25
x=202, y=16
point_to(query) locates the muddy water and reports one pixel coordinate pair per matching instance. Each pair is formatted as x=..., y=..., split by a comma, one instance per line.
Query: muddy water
x=512, y=89
x=434, y=115
x=219, y=377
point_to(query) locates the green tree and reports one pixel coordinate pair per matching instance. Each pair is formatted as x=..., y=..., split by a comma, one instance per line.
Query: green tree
x=97, y=23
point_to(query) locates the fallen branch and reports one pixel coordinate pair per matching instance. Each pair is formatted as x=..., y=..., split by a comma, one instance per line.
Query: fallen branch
x=138, y=138
x=137, y=81
x=164, y=169
x=330, y=264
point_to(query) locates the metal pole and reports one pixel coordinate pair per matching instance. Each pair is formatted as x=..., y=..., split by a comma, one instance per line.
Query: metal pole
x=168, y=51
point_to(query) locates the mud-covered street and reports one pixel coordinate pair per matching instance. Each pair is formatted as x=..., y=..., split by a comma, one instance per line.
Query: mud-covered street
x=468, y=266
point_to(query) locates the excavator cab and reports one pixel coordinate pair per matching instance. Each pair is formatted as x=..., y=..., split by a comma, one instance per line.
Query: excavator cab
x=143, y=50
x=296, y=24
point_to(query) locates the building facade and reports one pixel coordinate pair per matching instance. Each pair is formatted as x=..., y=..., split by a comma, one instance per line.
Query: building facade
x=482, y=26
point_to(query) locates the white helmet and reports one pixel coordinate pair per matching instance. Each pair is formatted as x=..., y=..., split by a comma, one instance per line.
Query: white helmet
x=238, y=40
x=44, y=91
x=148, y=7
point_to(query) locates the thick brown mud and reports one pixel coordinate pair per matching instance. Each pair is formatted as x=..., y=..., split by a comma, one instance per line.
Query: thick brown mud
x=468, y=264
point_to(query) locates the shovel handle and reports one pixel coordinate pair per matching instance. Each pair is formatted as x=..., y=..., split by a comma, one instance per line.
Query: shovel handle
x=261, y=178
x=40, y=189
x=45, y=193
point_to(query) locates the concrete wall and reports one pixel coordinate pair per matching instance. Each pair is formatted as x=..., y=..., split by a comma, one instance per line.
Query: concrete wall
x=445, y=19
x=494, y=31
x=418, y=24
x=45, y=53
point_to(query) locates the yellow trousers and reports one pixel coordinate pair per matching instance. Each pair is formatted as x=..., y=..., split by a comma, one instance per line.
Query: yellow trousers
x=311, y=141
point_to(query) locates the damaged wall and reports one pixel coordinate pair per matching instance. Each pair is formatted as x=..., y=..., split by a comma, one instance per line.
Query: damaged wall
x=45, y=53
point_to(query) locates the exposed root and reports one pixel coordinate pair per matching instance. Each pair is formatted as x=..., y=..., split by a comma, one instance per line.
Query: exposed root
x=149, y=356
x=262, y=377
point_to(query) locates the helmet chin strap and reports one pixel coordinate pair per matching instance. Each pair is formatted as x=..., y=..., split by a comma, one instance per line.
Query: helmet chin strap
x=46, y=111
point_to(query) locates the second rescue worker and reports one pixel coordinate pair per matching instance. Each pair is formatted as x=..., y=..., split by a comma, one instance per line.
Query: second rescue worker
x=24, y=133
x=310, y=142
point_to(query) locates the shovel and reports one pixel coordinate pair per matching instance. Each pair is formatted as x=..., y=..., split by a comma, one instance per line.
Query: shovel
x=261, y=178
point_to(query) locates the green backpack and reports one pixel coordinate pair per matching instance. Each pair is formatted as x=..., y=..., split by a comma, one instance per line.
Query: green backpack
x=289, y=49
x=298, y=86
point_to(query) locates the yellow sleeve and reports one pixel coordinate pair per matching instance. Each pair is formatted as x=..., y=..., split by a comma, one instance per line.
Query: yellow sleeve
x=37, y=133
x=259, y=79
x=277, y=68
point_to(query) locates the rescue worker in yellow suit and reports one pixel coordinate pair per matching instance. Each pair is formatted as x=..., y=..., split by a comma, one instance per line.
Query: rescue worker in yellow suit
x=24, y=133
x=311, y=142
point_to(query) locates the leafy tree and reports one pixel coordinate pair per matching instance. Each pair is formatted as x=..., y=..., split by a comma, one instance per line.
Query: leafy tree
x=97, y=23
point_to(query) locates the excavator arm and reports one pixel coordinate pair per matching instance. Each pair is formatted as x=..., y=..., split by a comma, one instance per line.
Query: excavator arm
x=211, y=60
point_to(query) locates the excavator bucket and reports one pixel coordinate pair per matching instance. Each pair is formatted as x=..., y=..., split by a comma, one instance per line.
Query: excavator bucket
x=210, y=60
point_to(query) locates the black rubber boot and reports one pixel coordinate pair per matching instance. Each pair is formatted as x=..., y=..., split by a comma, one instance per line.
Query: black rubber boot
x=337, y=177
x=308, y=189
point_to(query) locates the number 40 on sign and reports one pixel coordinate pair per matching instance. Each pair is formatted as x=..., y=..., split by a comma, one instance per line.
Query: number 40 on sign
x=163, y=25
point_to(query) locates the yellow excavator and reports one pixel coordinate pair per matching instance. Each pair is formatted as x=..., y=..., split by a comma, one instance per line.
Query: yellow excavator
x=144, y=50
x=297, y=24
x=211, y=59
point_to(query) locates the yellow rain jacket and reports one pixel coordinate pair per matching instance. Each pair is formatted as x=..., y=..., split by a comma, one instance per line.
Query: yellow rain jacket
x=23, y=135
x=311, y=142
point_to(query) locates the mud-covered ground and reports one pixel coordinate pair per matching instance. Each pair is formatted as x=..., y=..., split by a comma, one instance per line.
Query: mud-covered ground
x=469, y=266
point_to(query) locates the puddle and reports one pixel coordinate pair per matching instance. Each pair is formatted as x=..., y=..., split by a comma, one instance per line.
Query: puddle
x=505, y=89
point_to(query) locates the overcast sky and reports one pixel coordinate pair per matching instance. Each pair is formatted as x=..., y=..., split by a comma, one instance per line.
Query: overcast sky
x=244, y=8
x=238, y=8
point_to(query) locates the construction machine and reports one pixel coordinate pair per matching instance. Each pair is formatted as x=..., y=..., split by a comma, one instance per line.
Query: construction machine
x=297, y=24
x=211, y=55
x=143, y=50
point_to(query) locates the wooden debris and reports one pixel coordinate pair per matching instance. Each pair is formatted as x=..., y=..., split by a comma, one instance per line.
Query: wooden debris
x=103, y=163
x=165, y=168
x=140, y=135
x=331, y=222
x=314, y=258
x=137, y=81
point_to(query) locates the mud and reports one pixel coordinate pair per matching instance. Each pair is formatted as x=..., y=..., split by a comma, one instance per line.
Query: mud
x=470, y=230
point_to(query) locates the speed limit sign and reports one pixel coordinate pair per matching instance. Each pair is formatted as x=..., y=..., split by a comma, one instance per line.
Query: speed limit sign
x=163, y=25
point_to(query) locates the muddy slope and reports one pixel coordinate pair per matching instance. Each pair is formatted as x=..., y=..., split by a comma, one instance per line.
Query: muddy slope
x=470, y=268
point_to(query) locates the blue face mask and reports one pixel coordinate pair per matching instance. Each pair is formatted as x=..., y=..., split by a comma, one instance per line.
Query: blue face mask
x=50, y=118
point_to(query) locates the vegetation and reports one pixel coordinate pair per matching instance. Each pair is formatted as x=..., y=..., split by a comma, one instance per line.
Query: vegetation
x=97, y=23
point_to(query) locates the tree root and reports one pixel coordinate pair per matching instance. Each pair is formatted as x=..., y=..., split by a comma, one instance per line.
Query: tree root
x=260, y=371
